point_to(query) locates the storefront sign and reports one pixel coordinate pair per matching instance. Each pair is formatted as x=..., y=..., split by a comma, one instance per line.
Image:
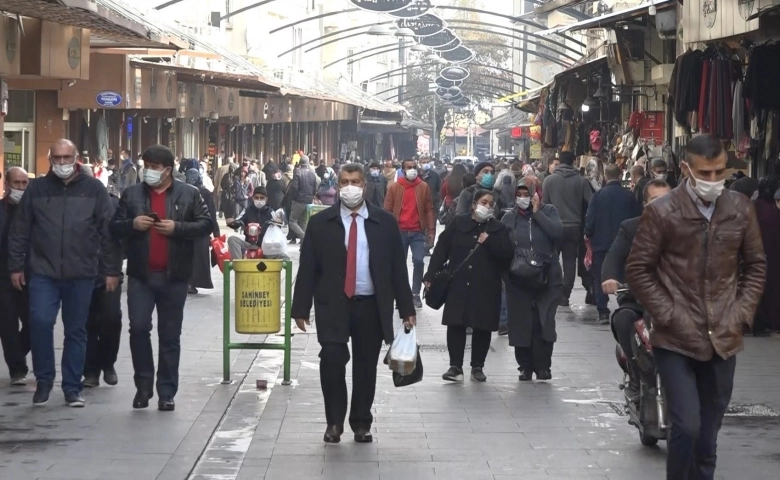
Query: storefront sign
x=440, y=39
x=443, y=82
x=450, y=46
x=382, y=6
x=709, y=10
x=109, y=99
x=454, y=73
x=459, y=55
x=415, y=9
x=425, y=25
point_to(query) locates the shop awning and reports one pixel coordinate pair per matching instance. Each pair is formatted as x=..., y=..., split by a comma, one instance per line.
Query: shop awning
x=220, y=79
x=610, y=19
x=553, y=5
x=585, y=69
x=512, y=118
x=107, y=26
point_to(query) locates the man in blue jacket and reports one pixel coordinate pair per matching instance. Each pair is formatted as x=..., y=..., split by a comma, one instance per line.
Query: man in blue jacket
x=608, y=208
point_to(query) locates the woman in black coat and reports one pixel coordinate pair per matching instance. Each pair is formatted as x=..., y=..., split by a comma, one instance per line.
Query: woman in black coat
x=474, y=294
x=201, y=260
x=531, y=312
x=275, y=187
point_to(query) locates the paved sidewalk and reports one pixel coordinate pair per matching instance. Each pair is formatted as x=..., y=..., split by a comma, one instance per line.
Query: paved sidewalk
x=108, y=440
x=571, y=427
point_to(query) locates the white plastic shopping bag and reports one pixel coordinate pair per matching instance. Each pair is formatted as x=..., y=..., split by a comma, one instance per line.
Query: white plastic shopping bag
x=274, y=241
x=403, y=352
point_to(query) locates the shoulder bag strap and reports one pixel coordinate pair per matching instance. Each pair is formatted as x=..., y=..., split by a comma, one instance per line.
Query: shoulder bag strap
x=466, y=259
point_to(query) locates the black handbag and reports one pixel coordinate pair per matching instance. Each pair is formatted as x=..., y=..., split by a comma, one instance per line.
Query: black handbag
x=436, y=294
x=529, y=267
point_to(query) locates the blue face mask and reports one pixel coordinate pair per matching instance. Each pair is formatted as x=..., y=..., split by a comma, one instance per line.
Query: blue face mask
x=487, y=180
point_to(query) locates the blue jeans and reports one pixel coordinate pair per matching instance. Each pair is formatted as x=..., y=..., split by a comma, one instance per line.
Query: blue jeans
x=46, y=294
x=415, y=241
x=602, y=300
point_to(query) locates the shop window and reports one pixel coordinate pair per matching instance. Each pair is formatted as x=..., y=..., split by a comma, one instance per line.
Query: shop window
x=21, y=106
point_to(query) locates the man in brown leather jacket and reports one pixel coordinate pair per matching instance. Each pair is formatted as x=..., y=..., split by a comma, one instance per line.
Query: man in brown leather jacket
x=697, y=266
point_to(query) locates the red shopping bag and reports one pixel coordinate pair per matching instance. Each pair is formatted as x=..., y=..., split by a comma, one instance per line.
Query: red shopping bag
x=220, y=251
x=588, y=254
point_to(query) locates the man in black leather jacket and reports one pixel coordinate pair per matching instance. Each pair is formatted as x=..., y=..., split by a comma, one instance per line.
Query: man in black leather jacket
x=612, y=274
x=158, y=220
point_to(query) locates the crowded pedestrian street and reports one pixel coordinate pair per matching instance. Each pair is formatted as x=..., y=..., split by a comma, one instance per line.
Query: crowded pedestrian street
x=389, y=239
x=571, y=427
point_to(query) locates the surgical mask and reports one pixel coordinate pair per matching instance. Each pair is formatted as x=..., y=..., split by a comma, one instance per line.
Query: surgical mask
x=487, y=180
x=327, y=176
x=16, y=195
x=140, y=164
x=351, y=195
x=153, y=178
x=411, y=174
x=426, y=166
x=483, y=213
x=259, y=203
x=707, y=191
x=449, y=169
x=523, y=202
x=63, y=171
x=661, y=176
x=374, y=173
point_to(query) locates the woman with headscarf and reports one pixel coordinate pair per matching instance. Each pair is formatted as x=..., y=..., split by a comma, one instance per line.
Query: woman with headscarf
x=768, y=214
x=275, y=187
x=201, y=260
x=327, y=191
x=531, y=310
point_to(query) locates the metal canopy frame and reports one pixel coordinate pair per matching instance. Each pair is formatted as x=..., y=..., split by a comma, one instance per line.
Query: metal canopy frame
x=484, y=65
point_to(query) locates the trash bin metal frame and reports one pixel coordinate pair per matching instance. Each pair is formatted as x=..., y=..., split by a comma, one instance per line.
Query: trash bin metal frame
x=227, y=345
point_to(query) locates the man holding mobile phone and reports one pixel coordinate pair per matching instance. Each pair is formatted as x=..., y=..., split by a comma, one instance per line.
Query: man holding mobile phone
x=159, y=221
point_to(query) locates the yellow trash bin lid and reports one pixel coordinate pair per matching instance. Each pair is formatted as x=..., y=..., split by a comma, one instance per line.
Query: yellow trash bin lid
x=258, y=295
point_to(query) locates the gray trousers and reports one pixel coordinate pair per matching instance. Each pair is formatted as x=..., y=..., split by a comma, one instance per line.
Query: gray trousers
x=298, y=220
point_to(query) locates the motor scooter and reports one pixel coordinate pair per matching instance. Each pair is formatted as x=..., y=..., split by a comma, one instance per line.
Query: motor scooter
x=252, y=233
x=649, y=414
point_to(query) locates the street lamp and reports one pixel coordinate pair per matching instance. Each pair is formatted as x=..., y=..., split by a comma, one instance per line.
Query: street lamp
x=419, y=48
x=404, y=32
x=381, y=30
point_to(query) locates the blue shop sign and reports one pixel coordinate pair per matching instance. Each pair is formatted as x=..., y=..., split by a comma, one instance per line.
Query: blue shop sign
x=108, y=99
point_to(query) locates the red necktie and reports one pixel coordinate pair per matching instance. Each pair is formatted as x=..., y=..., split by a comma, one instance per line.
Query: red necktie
x=350, y=282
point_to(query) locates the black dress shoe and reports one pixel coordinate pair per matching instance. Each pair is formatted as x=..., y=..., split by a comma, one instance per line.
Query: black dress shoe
x=166, y=405
x=333, y=434
x=544, y=375
x=141, y=399
x=525, y=375
x=363, y=436
x=110, y=377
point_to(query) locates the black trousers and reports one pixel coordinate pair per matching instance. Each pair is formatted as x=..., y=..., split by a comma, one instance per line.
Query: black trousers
x=537, y=357
x=456, y=345
x=570, y=247
x=367, y=337
x=104, y=329
x=15, y=311
x=697, y=395
x=142, y=298
x=624, y=330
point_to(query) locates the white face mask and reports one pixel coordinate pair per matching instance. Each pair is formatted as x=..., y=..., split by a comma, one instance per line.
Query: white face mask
x=15, y=196
x=351, y=195
x=411, y=174
x=277, y=176
x=64, y=171
x=153, y=178
x=327, y=176
x=707, y=191
x=259, y=203
x=661, y=176
x=483, y=213
x=523, y=202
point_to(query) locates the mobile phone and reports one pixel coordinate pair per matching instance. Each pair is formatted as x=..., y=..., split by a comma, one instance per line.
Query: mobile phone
x=153, y=216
